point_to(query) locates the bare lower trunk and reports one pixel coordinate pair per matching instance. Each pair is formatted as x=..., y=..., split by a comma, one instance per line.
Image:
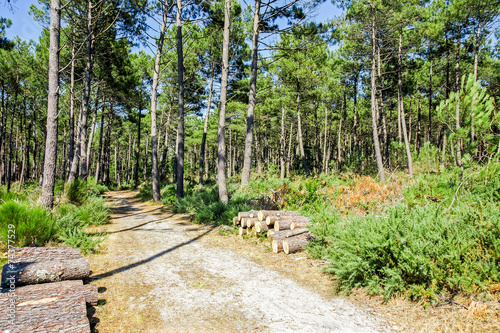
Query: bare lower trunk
x=289, y=155
x=165, y=145
x=154, y=144
x=282, y=144
x=221, y=143
x=180, y=124
x=401, y=105
x=299, y=133
x=205, y=126
x=47, y=198
x=457, y=111
x=247, y=158
x=378, y=155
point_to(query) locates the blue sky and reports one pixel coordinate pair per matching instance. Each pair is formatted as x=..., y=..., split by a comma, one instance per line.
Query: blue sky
x=26, y=28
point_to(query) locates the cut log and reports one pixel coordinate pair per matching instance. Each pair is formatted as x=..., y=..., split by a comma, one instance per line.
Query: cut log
x=286, y=222
x=37, y=254
x=263, y=214
x=45, y=271
x=298, y=225
x=261, y=226
x=51, y=307
x=270, y=220
x=236, y=220
x=277, y=245
x=88, y=291
x=242, y=231
x=243, y=223
x=277, y=234
x=295, y=232
x=250, y=213
x=250, y=221
x=296, y=243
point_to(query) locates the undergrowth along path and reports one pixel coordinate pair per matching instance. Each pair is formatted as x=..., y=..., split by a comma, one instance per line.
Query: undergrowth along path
x=157, y=274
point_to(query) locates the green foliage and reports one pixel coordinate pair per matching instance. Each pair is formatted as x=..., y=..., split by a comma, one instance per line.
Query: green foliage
x=78, y=238
x=33, y=225
x=207, y=208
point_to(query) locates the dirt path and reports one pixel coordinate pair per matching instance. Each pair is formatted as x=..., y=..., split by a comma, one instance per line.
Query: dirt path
x=159, y=273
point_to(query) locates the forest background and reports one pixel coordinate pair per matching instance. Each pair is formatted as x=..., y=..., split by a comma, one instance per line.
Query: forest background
x=380, y=123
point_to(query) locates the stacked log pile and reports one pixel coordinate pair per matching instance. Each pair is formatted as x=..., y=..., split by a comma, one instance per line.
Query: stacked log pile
x=43, y=291
x=287, y=230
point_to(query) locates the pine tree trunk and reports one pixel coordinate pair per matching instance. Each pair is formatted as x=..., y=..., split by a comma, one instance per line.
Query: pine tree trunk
x=221, y=143
x=165, y=145
x=92, y=130
x=47, y=198
x=205, y=125
x=457, y=111
x=429, y=135
x=401, y=105
x=180, y=125
x=299, y=132
x=137, y=149
x=382, y=111
x=247, y=157
x=98, y=169
x=71, y=150
x=282, y=143
x=378, y=155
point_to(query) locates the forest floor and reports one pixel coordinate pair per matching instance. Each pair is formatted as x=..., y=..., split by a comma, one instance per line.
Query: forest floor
x=158, y=272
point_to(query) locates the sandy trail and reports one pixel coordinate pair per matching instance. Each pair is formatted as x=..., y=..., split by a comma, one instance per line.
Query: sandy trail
x=160, y=275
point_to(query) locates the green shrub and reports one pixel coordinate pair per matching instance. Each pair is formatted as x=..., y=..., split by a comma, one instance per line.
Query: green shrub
x=78, y=238
x=418, y=252
x=33, y=225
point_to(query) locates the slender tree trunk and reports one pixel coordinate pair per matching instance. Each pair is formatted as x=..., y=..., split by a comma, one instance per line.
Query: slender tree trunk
x=71, y=150
x=137, y=149
x=247, y=157
x=86, y=94
x=378, y=155
x=154, y=143
x=418, y=136
x=429, y=135
x=9, y=161
x=401, y=104
x=129, y=153
x=282, y=144
x=47, y=198
x=325, y=143
x=180, y=126
x=299, y=132
x=165, y=145
x=98, y=169
x=221, y=143
x=457, y=111
x=382, y=111
x=92, y=130
x=146, y=152
x=205, y=125
x=355, y=120
x=289, y=155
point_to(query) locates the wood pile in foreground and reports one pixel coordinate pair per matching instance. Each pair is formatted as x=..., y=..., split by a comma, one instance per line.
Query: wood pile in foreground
x=286, y=229
x=43, y=291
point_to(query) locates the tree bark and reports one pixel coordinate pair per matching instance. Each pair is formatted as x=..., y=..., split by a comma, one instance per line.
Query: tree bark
x=205, y=125
x=378, y=155
x=429, y=135
x=47, y=198
x=180, y=125
x=154, y=143
x=282, y=144
x=221, y=141
x=71, y=152
x=401, y=104
x=457, y=111
x=247, y=157
x=137, y=149
x=299, y=132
